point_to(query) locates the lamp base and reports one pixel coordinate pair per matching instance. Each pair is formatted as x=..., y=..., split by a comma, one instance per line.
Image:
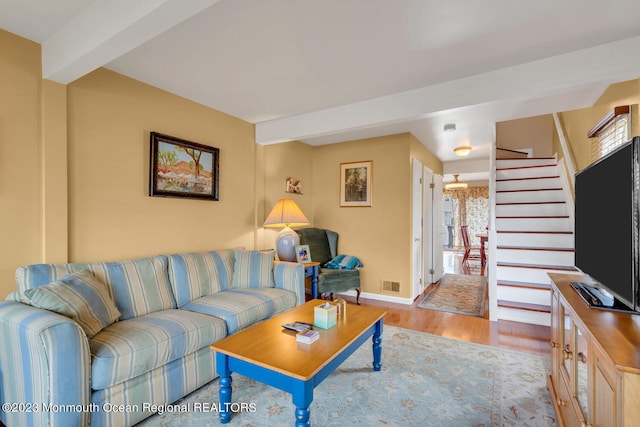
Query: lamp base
x=286, y=243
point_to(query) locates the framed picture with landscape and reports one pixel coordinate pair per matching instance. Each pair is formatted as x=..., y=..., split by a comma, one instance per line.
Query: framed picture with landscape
x=356, y=184
x=181, y=168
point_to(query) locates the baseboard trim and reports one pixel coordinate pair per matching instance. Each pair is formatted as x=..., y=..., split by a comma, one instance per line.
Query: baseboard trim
x=378, y=297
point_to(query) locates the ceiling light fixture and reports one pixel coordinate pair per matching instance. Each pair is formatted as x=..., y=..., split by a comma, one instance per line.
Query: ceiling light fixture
x=450, y=127
x=462, y=151
x=455, y=185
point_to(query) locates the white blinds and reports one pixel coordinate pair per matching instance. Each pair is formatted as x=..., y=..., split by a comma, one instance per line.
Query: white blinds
x=611, y=136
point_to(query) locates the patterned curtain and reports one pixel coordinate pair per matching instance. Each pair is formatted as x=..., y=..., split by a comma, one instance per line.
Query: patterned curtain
x=470, y=208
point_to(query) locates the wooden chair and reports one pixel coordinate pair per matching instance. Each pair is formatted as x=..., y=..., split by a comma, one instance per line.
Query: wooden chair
x=470, y=252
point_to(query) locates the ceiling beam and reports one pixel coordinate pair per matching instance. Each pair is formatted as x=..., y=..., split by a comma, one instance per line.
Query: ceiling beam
x=106, y=30
x=617, y=61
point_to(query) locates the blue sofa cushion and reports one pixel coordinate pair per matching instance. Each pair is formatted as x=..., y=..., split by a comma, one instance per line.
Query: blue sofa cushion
x=133, y=347
x=79, y=296
x=253, y=269
x=240, y=308
x=138, y=286
x=194, y=275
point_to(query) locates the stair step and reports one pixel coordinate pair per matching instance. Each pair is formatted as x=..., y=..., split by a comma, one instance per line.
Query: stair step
x=530, y=248
x=529, y=285
x=541, y=240
x=533, y=203
x=532, y=216
x=538, y=266
x=539, y=195
x=514, y=163
x=524, y=316
x=524, y=306
x=540, y=209
x=528, y=184
x=526, y=167
x=528, y=177
x=529, y=189
x=534, y=232
x=563, y=223
x=535, y=255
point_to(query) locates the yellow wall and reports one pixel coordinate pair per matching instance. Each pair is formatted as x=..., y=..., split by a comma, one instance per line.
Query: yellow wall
x=20, y=157
x=111, y=215
x=531, y=132
x=379, y=234
x=577, y=123
x=281, y=161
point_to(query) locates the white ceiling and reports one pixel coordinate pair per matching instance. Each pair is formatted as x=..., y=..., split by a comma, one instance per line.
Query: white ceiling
x=327, y=71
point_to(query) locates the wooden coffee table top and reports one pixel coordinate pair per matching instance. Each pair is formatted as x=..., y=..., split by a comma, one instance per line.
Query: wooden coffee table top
x=269, y=345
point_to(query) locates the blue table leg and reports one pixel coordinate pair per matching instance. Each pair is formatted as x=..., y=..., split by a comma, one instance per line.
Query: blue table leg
x=314, y=282
x=377, y=346
x=302, y=394
x=222, y=365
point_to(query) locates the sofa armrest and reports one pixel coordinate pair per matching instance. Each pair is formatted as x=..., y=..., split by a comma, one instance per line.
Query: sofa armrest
x=44, y=368
x=290, y=276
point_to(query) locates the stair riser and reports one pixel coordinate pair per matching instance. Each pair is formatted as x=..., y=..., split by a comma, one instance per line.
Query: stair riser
x=531, y=275
x=524, y=316
x=535, y=210
x=527, y=184
x=535, y=257
x=524, y=295
x=530, y=196
x=533, y=224
x=518, y=163
x=535, y=240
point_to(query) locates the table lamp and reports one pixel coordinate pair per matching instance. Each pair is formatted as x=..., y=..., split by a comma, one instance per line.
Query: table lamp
x=286, y=213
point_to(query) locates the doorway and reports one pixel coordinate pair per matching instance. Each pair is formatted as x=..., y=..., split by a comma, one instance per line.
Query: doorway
x=427, y=255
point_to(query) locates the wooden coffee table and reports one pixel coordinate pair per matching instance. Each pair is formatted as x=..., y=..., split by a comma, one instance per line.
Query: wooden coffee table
x=270, y=354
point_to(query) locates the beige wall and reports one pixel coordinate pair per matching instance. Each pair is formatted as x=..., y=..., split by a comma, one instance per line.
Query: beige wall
x=378, y=235
x=74, y=164
x=20, y=156
x=281, y=161
x=111, y=215
x=532, y=132
x=577, y=123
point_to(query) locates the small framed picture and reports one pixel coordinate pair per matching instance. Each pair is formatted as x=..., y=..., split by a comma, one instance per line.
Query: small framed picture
x=303, y=254
x=356, y=184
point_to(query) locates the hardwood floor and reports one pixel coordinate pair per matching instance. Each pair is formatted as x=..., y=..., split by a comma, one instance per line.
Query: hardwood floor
x=518, y=336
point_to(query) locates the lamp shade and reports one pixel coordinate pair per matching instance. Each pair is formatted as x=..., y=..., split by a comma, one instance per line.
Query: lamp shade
x=286, y=213
x=462, y=151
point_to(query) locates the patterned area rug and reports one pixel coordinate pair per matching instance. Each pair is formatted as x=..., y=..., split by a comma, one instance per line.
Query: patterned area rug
x=458, y=293
x=426, y=380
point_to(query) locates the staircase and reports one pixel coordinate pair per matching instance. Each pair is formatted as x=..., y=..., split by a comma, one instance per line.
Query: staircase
x=534, y=232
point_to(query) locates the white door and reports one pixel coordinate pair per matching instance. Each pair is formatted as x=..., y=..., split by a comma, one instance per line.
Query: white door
x=428, y=230
x=438, y=230
x=416, y=234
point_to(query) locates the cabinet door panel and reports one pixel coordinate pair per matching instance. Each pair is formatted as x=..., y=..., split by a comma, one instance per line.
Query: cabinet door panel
x=605, y=399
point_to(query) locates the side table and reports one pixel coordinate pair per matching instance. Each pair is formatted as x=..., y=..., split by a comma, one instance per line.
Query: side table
x=311, y=269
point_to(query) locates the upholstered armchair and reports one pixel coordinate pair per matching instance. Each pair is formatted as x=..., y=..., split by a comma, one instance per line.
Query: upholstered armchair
x=340, y=275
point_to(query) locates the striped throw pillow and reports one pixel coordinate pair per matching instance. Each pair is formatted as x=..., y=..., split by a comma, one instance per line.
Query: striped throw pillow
x=79, y=296
x=253, y=269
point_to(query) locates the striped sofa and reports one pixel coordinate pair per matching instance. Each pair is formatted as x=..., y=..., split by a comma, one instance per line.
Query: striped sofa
x=143, y=338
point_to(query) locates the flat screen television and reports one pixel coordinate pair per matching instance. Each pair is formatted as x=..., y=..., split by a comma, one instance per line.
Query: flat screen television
x=606, y=229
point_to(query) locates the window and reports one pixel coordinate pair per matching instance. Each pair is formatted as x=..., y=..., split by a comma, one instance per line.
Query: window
x=611, y=132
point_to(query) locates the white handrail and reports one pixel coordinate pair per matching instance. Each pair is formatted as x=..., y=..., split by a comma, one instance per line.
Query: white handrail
x=565, y=148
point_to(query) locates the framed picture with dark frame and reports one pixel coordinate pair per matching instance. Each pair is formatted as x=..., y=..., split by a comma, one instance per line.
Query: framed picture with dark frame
x=181, y=168
x=356, y=184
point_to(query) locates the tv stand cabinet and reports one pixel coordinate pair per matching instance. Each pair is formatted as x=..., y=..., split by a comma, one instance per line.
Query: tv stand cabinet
x=595, y=361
